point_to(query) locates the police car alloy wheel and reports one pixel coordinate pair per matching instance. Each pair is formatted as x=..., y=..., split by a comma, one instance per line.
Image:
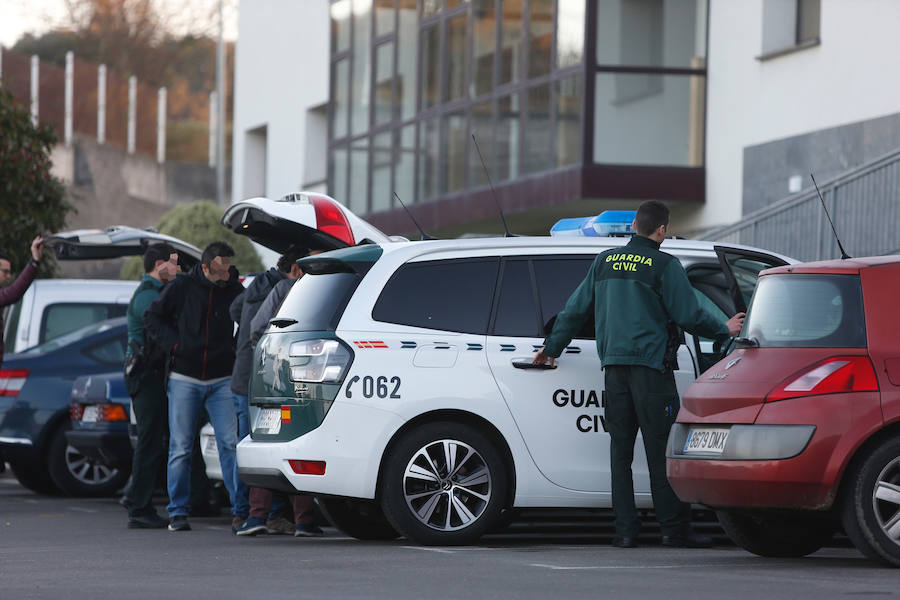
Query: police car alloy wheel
x=444, y=483
x=871, y=503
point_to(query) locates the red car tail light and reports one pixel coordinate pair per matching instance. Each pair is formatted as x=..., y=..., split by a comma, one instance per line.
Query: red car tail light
x=97, y=412
x=76, y=411
x=331, y=219
x=11, y=381
x=308, y=467
x=838, y=374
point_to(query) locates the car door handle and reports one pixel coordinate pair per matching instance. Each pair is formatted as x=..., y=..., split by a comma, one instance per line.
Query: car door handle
x=524, y=363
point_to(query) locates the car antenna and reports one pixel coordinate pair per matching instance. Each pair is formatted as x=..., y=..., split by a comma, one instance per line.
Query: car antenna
x=425, y=236
x=493, y=193
x=844, y=255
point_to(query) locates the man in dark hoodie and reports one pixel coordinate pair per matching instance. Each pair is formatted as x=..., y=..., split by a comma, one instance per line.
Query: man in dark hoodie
x=191, y=319
x=243, y=309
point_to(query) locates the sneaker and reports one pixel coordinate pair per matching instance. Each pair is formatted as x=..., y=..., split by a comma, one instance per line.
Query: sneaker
x=237, y=522
x=179, y=523
x=279, y=526
x=252, y=526
x=152, y=521
x=307, y=530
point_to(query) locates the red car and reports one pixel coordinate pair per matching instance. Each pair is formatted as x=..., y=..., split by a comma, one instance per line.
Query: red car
x=797, y=431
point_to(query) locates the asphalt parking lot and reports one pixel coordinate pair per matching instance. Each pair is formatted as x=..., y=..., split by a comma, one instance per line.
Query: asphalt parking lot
x=54, y=547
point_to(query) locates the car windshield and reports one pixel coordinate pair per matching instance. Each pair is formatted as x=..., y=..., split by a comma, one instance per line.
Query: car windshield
x=74, y=336
x=807, y=311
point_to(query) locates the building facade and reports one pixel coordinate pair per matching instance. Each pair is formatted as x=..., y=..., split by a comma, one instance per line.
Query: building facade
x=563, y=107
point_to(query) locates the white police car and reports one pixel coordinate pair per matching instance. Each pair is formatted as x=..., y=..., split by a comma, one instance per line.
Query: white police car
x=395, y=382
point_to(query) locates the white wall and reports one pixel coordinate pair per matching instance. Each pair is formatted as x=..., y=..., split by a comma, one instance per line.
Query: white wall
x=281, y=71
x=850, y=77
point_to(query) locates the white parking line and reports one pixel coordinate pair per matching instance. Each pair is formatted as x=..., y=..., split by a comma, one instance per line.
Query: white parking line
x=439, y=550
x=597, y=567
x=84, y=510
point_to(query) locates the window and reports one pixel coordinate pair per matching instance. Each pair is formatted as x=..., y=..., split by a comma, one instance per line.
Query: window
x=431, y=66
x=381, y=172
x=384, y=17
x=358, y=198
x=568, y=120
x=317, y=302
x=450, y=295
x=807, y=311
x=340, y=25
x=404, y=167
x=456, y=58
x=360, y=86
x=789, y=24
x=407, y=37
x=340, y=92
x=110, y=352
x=516, y=314
x=570, y=33
x=507, y=141
x=482, y=124
x=557, y=278
x=511, y=41
x=538, y=132
x=383, y=96
x=540, y=37
x=429, y=163
x=62, y=318
x=338, y=188
x=455, y=162
x=484, y=40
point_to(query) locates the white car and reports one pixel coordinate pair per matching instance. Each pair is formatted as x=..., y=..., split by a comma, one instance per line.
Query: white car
x=395, y=382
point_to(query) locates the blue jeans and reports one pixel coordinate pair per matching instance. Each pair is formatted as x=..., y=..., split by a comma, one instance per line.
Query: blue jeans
x=186, y=399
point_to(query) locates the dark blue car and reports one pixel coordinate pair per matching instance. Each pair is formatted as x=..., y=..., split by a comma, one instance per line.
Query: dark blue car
x=35, y=394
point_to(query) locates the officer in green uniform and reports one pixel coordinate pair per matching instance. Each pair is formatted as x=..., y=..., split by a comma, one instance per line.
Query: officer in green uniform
x=640, y=296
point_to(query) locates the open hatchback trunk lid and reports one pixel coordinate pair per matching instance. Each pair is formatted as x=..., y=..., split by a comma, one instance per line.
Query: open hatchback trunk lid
x=115, y=242
x=314, y=221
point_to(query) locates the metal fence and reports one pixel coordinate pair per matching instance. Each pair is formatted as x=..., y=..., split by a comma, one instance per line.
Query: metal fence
x=863, y=202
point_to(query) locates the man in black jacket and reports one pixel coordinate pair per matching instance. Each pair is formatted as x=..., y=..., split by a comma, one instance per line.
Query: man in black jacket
x=191, y=319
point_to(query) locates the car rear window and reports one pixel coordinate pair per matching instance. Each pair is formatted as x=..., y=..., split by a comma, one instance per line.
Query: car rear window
x=64, y=317
x=807, y=311
x=317, y=302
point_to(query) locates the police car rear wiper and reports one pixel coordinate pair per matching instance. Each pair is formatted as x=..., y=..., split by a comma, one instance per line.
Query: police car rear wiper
x=282, y=323
x=749, y=342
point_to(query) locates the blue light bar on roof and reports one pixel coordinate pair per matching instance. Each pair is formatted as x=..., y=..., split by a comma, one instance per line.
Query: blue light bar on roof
x=607, y=223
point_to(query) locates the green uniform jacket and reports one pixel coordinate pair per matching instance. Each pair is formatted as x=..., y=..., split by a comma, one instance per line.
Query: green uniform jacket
x=143, y=297
x=634, y=292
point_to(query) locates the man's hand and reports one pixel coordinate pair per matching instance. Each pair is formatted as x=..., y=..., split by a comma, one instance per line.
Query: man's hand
x=540, y=358
x=37, y=248
x=735, y=324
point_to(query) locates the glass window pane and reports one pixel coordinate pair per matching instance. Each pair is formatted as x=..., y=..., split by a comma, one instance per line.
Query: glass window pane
x=382, y=162
x=407, y=38
x=430, y=8
x=384, y=16
x=556, y=280
x=808, y=12
x=431, y=66
x=362, y=18
x=448, y=295
x=538, y=133
x=456, y=57
x=570, y=33
x=648, y=119
x=384, y=83
x=516, y=312
x=651, y=33
x=455, y=142
x=540, y=37
x=62, y=318
x=568, y=120
x=429, y=159
x=511, y=41
x=341, y=98
x=482, y=124
x=340, y=25
x=337, y=187
x=507, y=140
x=405, y=164
x=358, y=200
x=484, y=42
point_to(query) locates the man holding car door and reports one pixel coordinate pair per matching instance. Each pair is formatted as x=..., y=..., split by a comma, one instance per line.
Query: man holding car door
x=639, y=297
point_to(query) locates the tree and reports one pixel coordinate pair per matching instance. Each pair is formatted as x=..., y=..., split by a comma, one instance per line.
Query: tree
x=200, y=224
x=32, y=200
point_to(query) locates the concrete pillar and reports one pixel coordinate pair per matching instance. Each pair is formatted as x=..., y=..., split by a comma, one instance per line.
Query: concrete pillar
x=132, y=112
x=161, y=125
x=212, y=129
x=35, y=86
x=70, y=81
x=101, y=104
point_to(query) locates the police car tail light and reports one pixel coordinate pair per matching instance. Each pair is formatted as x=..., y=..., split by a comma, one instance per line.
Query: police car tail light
x=331, y=219
x=838, y=374
x=307, y=467
x=11, y=381
x=319, y=361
